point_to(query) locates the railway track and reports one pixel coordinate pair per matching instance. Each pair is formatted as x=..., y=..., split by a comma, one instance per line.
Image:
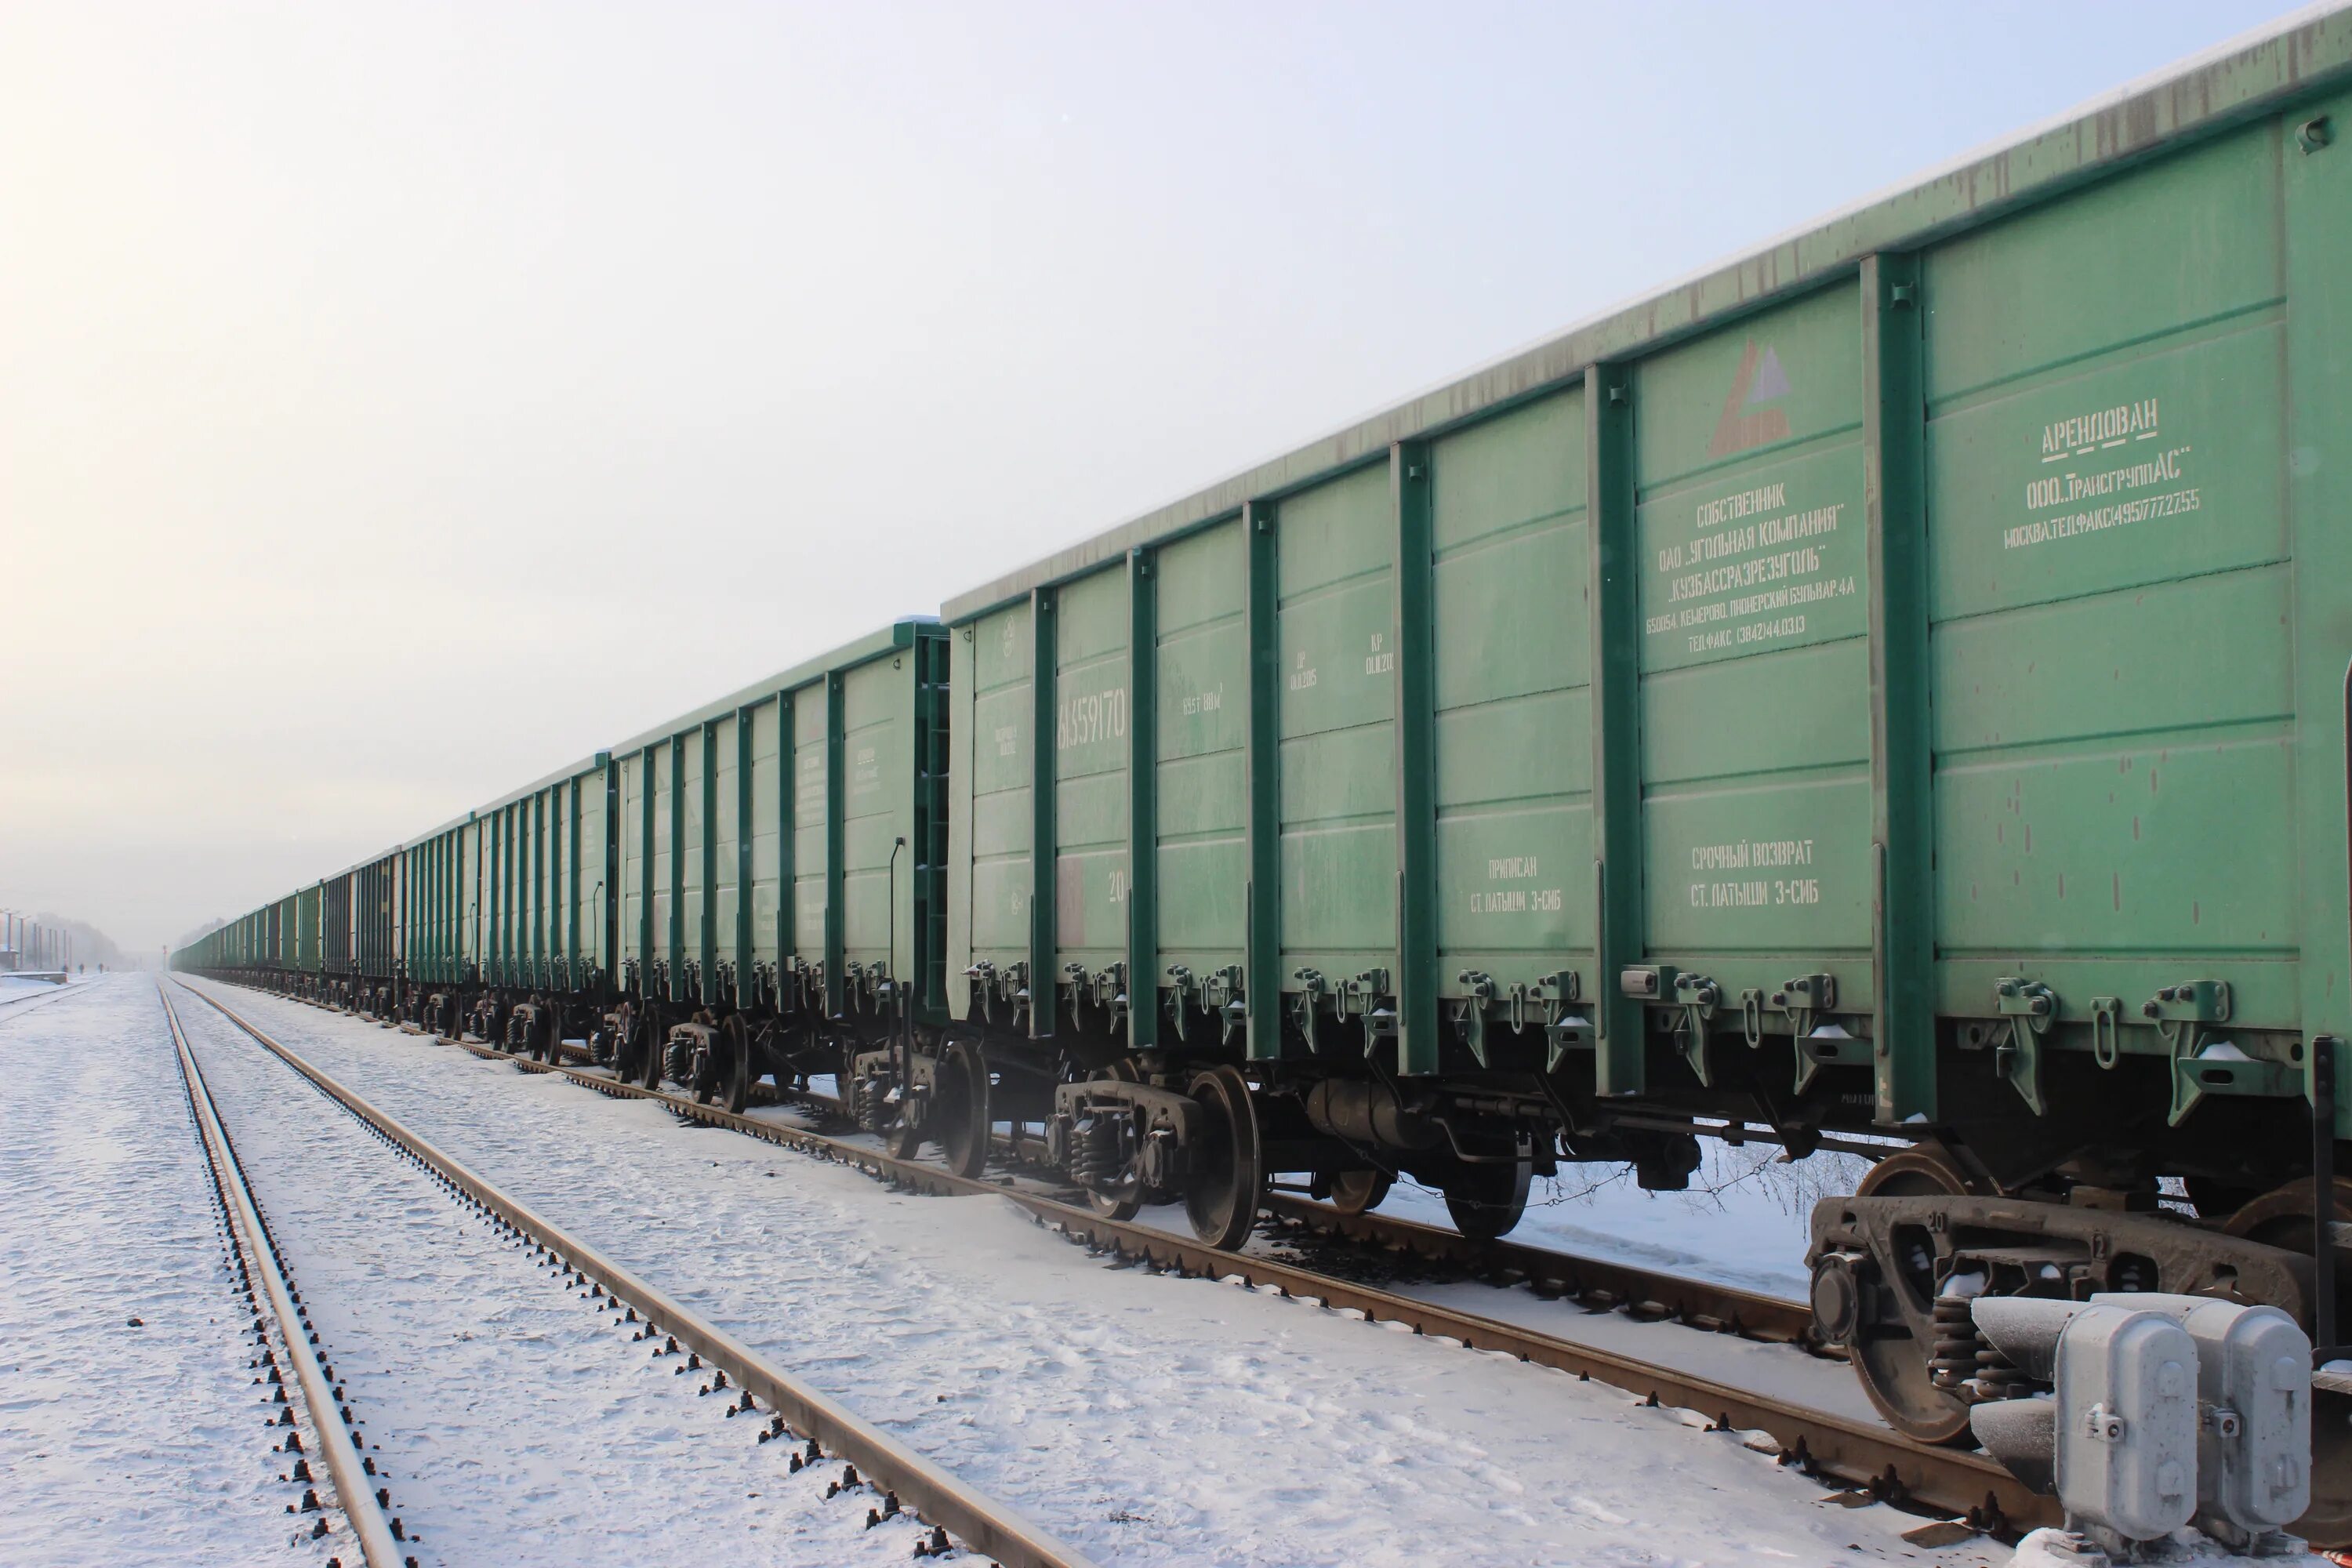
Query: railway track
x=1385, y=1242
x=1598, y=1284
x=286, y=1333
x=33, y=1002
x=900, y=1479
x=1863, y=1457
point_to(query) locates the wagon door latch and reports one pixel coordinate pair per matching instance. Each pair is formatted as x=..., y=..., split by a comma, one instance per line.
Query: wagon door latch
x=1311, y=991
x=1104, y=988
x=1009, y=986
x=1180, y=980
x=803, y=982
x=1219, y=993
x=2029, y=1008
x=1806, y=998
x=1555, y=998
x=2203, y=1065
x=1368, y=997
x=1696, y=999
x=1479, y=990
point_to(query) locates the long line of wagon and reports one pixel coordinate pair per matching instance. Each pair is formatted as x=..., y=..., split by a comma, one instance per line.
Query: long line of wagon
x=1891, y=685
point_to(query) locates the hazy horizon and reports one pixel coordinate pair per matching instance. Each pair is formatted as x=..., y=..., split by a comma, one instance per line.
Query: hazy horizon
x=402, y=402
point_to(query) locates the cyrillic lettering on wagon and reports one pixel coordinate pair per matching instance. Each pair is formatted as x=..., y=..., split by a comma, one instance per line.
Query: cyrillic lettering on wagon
x=2075, y=501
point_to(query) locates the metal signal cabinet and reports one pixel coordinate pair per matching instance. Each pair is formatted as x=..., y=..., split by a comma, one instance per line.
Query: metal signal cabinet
x=1914, y=653
x=793, y=829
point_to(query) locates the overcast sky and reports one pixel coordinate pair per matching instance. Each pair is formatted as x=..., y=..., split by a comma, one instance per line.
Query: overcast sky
x=398, y=402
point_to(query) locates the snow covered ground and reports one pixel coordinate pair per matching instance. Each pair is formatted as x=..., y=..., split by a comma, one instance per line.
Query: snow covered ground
x=514, y=1422
x=1144, y=1419
x=1744, y=1222
x=20, y=994
x=119, y=1443
x=1737, y=1224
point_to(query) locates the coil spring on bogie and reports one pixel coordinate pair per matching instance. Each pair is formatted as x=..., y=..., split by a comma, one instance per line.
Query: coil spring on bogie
x=1964, y=1364
x=867, y=1103
x=1953, y=1358
x=1097, y=1150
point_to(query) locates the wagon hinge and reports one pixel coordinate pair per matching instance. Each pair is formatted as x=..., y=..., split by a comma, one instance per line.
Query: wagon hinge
x=2030, y=1006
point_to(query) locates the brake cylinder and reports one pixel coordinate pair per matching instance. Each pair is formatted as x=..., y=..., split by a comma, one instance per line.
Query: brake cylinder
x=1369, y=1113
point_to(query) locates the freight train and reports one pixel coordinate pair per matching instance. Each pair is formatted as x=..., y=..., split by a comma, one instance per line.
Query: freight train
x=1888, y=692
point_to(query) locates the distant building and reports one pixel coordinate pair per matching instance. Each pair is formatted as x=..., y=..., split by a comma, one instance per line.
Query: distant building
x=29, y=946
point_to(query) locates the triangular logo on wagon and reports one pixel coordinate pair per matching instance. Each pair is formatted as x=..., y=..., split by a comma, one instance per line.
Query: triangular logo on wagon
x=1749, y=419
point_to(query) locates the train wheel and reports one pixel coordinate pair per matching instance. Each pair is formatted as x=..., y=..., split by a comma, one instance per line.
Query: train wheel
x=1892, y=1364
x=2281, y=1219
x=622, y=1046
x=1360, y=1192
x=959, y=1108
x=1485, y=1202
x=1228, y=1180
x=1120, y=1207
x=655, y=1042
x=737, y=1068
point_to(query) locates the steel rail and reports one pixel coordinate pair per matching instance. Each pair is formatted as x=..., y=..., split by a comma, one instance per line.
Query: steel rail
x=34, y=1001
x=983, y=1525
x=377, y=1544
x=1646, y=1294
x=1854, y=1453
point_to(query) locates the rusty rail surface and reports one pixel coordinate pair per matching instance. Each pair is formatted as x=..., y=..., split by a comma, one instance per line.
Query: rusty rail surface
x=983, y=1525
x=344, y=1470
x=1834, y=1447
